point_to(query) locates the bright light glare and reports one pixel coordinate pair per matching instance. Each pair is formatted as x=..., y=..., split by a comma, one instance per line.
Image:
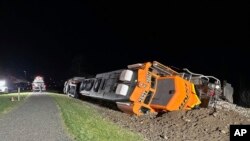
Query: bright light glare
x=217, y=86
x=2, y=82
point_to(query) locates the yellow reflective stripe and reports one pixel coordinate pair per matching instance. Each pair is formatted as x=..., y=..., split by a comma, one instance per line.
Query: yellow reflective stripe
x=198, y=100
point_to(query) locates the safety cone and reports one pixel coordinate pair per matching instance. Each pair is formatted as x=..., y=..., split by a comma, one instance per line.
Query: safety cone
x=12, y=98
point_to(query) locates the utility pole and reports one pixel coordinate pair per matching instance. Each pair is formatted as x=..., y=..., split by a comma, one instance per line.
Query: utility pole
x=18, y=98
x=25, y=74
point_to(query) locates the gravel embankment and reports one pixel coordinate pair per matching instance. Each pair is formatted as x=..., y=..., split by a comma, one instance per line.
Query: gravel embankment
x=233, y=107
x=193, y=125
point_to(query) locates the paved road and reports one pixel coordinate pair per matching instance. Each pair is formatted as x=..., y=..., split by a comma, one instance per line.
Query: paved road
x=38, y=119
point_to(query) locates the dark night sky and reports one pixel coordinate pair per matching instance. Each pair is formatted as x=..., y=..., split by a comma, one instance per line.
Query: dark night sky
x=42, y=37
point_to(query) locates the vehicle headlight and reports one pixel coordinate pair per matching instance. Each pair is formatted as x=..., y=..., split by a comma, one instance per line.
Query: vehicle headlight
x=2, y=82
x=122, y=89
x=126, y=75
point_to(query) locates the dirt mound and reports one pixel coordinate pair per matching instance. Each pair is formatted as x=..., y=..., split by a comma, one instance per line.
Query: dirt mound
x=191, y=125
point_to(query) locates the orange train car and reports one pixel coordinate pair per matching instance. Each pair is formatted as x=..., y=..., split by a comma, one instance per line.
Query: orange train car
x=143, y=88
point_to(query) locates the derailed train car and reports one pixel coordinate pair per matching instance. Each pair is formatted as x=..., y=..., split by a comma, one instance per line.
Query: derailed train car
x=148, y=88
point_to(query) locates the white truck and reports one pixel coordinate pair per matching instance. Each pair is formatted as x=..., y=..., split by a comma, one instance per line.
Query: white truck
x=38, y=84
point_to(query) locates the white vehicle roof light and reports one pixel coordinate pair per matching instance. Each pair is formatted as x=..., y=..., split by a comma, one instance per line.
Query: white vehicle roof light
x=38, y=79
x=126, y=75
x=2, y=82
x=122, y=89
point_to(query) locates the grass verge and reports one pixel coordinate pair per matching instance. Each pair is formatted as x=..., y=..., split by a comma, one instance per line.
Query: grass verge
x=85, y=123
x=6, y=104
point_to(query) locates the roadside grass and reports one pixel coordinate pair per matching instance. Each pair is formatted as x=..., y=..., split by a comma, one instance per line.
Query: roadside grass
x=86, y=124
x=6, y=104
